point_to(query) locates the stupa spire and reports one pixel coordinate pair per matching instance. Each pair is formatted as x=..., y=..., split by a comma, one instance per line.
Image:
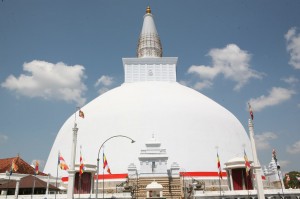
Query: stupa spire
x=149, y=44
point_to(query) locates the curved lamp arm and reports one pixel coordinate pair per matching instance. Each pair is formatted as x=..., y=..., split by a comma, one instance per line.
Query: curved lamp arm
x=132, y=141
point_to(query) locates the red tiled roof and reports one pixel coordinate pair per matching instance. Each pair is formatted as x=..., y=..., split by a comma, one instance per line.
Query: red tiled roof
x=23, y=167
x=27, y=182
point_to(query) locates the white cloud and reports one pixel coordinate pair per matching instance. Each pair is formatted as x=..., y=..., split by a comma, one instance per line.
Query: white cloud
x=205, y=72
x=293, y=47
x=262, y=141
x=283, y=163
x=198, y=85
x=294, y=149
x=291, y=80
x=3, y=138
x=104, y=82
x=185, y=83
x=231, y=62
x=49, y=81
x=202, y=85
x=276, y=96
x=103, y=90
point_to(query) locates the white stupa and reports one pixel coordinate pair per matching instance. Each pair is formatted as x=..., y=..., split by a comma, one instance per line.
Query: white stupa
x=188, y=124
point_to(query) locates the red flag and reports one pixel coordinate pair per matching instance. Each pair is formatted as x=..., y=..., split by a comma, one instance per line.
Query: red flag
x=81, y=114
x=62, y=163
x=219, y=166
x=81, y=167
x=247, y=163
x=36, y=167
x=250, y=111
x=108, y=170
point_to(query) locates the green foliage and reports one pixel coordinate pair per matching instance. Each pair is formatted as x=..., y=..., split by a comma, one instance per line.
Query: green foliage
x=292, y=180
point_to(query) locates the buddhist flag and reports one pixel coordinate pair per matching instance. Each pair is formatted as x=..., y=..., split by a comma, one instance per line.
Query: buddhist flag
x=105, y=164
x=104, y=161
x=247, y=163
x=14, y=167
x=62, y=163
x=250, y=111
x=81, y=167
x=219, y=166
x=81, y=114
x=36, y=169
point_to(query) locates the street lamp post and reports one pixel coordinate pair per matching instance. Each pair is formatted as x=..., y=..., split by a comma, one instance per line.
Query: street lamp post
x=132, y=141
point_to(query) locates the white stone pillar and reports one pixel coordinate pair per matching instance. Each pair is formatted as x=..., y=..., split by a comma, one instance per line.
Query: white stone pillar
x=92, y=183
x=48, y=181
x=256, y=168
x=72, y=171
x=281, y=178
x=17, y=188
x=231, y=181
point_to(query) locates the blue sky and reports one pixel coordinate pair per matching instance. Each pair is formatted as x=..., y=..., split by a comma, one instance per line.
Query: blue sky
x=57, y=55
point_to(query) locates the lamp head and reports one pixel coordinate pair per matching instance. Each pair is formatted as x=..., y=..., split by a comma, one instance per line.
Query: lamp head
x=132, y=141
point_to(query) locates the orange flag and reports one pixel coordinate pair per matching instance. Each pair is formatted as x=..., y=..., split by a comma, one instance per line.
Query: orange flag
x=36, y=167
x=247, y=163
x=62, y=163
x=81, y=114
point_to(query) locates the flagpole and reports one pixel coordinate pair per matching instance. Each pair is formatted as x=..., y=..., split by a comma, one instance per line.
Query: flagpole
x=220, y=170
x=246, y=170
x=80, y=170
x=103, y=177
x=246, y=181
x=32, y=192
x=79, y=184
x=220, y=186
x=56, y=174
x=7, y=185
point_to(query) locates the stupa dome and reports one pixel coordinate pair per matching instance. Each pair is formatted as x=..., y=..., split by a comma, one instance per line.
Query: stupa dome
x=187, y=123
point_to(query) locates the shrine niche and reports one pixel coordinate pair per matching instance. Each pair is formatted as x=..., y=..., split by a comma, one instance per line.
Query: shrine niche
x=154, y=190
